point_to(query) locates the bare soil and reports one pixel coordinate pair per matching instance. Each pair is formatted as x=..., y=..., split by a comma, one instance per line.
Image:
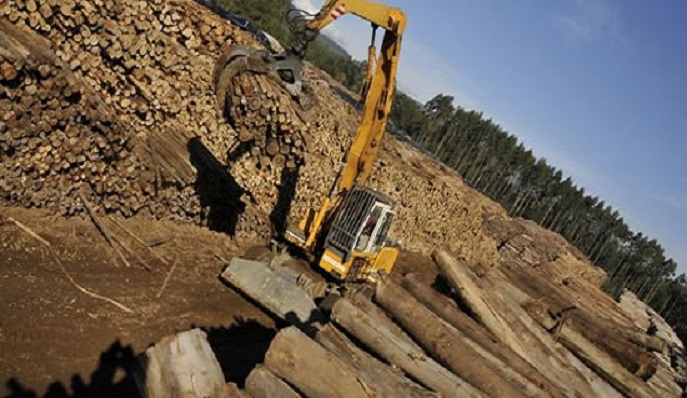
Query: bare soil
x=57, y=341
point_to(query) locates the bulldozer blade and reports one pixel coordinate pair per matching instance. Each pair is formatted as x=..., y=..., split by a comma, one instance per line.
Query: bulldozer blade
x=272, y=291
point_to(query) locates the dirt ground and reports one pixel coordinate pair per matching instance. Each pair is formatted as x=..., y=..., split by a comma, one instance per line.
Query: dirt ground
x=57, y=341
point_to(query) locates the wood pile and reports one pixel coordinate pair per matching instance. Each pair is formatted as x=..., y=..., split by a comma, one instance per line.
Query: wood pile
x=144, y=74
x=108, y=95
x=264, y=116
x=56, y=134
x=479, y=339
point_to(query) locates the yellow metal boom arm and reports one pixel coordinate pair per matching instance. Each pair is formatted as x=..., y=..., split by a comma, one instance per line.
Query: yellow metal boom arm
x=387, y=18
x=378, y=89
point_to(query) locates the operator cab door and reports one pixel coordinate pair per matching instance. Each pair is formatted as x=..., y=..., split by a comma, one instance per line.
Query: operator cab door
x=373, y=232
x=355, y=244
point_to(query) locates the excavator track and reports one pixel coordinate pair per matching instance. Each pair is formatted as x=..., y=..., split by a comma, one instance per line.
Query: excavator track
x=259, y=108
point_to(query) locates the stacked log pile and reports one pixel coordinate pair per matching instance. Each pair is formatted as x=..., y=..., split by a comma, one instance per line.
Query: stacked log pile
x=539, y=265
x=411, y=340
x=148, y=65
x=266, y=119
x=56, y=134
x=111, y=97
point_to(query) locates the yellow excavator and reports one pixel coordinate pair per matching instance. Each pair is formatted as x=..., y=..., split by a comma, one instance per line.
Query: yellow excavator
x=347, y=235
x=356, y=221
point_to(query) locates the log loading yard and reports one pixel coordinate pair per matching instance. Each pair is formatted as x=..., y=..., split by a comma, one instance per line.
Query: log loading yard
x=127, y=189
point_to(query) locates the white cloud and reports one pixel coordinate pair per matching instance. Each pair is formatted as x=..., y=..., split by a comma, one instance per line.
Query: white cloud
x=589, y=21
x=306, y=5
x=679, y=201
x=312, y=7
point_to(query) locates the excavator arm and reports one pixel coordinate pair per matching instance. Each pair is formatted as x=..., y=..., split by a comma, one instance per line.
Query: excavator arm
x=378, y=88
x=377, y=96
x=381, y=15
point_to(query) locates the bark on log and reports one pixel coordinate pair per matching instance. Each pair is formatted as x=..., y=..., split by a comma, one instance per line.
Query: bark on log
x=313, y=370
x=446, y=309
x=397, y=351
x=446, y=344
x=388, y=382
x=373, y=310
x=463, y=283
x=631, y=356
x=183, y=366
x=593, y=326
x=261, y=383
x=652, y=343
x=600, y=361
x=513, y=327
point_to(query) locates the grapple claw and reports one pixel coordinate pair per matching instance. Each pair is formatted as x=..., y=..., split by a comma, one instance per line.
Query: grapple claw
x=283, y=68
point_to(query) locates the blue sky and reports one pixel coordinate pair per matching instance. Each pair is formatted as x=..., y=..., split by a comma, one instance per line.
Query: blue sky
x=597, y=87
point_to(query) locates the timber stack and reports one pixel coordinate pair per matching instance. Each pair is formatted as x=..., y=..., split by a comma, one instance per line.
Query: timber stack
x=56, y=134
x=146, y=136
x=411, y=340
x=266, y=119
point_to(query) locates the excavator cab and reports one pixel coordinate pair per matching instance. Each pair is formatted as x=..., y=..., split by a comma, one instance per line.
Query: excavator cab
x=356, y=247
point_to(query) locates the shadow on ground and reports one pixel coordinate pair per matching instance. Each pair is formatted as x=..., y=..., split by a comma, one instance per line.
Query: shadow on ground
x=113, y=378
x=120, y=373
x=240, y=348
x=287, y=192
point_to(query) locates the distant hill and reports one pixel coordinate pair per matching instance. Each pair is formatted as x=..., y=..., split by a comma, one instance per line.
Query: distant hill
x=333, y=45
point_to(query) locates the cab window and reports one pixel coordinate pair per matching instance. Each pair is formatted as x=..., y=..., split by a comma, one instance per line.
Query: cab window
x=368, y=229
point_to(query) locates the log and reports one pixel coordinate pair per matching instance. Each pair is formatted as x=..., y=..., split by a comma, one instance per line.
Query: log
x=388, y=382
x=397, y=351
x=512, y=326
x=271, y=291
x=506, y=358
x=233, y=391
x=261, y=383
x=461, y=279
x=366, y=305
x=447, y=310
x=630, y=355
x=312, y=369
x=447, y=345
x=620, y=345
x=652, y=343
x=540, y=289
x=600, y=361
x=183, y=366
